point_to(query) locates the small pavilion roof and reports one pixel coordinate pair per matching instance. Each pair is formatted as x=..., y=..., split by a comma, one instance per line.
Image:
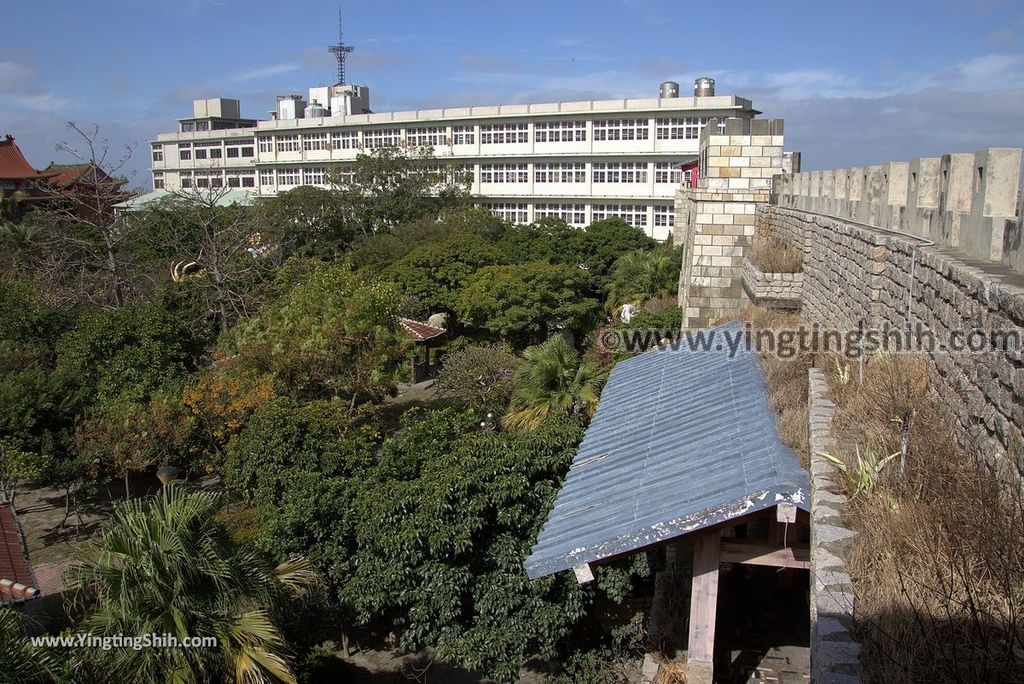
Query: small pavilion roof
x=417, y=331
x=683, y=439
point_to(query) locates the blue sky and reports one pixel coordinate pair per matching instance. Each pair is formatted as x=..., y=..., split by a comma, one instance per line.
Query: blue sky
x=857, y=82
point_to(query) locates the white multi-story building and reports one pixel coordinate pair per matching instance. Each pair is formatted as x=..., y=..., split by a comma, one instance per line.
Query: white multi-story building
x=580, y=161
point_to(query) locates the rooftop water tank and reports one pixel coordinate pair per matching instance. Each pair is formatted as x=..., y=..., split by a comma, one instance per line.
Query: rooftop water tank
x=669, y=89
x=704, y=87
x=315, y=110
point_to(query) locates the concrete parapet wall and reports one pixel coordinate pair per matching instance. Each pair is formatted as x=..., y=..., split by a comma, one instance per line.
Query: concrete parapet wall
x=853, y=273
x=964, y=202
x=835, y=654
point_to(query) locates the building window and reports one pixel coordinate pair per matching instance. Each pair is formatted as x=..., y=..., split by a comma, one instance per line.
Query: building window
x=158, y=153
x=499, y=134
x=287, y=143
x=431, y=136
x=247, y=150
x=216, y=153
x=158, y=181
x=314, y=175
x=683, y=128
x=560, y=131
x=187, y=127
x=202, y=125
x=200, y=152
x=184, y=152
x=315, y=142
x=216, y=182
x=232, y=153
x=343, y=175
x=509, y=211
x=664, y=216
x=620, y=172
x=288, y=176
x=504, y=173
x=633, y=214
x=463, y=135
x=572, y=214
x=560, y=173
x=266, y=145
x=185, y=180
x=345, y=140
x=267, y=178
x=382, y=137
x=665, y=173
x=621, y=129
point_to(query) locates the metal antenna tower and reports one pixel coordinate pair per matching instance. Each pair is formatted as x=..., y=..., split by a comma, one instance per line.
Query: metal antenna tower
x=340, y=52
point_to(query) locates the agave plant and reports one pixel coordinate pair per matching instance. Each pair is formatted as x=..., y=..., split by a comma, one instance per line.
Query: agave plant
x=553, y=379
x=867, y=472
x=166, y=566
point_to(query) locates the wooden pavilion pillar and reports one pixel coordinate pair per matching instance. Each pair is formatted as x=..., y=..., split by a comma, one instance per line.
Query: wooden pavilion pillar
x=703, y=607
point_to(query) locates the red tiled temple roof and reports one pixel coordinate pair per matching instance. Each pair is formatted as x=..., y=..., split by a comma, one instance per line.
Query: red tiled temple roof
x=65, y=174
x=418, y=331
x=13, y=165
x=16, y=579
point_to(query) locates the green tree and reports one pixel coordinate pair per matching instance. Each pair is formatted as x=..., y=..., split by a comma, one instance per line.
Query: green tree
x=554, y=379
x=126, y=355
x=16, y=466
x=165, y=565
x=301, y=466
x=331, y=334
x=393, y=185
x=522, y=302
x=479, y=377
x=307, y=222
x=445, y=520
x=435, y=273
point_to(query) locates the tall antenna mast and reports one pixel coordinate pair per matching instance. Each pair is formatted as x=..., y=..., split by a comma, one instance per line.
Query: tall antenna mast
x=340, y=52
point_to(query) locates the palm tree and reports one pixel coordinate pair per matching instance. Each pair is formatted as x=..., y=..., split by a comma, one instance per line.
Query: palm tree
x=166, y=566
x=20, y=661
x=553, y=379
x=639, y=277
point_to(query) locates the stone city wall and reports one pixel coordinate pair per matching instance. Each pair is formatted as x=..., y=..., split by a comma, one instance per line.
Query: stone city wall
x=856, y=273
x=964, y=202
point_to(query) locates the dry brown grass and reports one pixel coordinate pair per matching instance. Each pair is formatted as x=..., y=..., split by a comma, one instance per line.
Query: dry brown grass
x=938, y=562
x=787, y=381
x=671, y=672
x=771, y=255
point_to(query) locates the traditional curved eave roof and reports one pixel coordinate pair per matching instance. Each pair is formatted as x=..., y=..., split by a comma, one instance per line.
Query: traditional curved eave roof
x=13, y=165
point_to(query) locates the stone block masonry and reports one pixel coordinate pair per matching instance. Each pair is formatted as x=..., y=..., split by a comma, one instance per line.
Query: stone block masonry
x=715, y=221
x=835, y=654
x=964, y=202
x=777, y=290
x=854, y=273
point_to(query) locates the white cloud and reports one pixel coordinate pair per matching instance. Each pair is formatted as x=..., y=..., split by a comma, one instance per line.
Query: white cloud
x=263, y=72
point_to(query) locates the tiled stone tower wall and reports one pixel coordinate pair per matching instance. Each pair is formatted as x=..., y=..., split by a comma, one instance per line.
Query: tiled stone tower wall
x=715, y=221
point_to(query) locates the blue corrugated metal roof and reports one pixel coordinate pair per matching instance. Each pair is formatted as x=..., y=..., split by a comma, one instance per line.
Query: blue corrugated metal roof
x=682, y=439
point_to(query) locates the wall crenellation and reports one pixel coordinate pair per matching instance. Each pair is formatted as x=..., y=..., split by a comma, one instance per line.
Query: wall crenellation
x=966, y=202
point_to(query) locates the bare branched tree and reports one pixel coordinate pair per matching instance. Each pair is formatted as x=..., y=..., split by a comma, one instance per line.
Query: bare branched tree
x=74, y=243
x=217, y=245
